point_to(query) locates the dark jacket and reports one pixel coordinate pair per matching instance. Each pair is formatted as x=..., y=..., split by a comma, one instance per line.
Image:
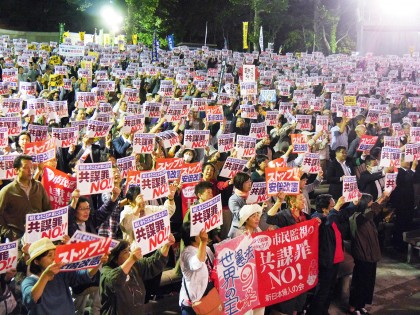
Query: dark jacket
x=283, y=218
x=120, y=147
x=96, y=218
x=125, y=294
x=367, y=184
x=334, y=174
x=327, y=240
x=364, y=235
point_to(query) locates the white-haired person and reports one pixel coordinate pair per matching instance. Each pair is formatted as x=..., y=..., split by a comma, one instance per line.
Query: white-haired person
x=46, y=290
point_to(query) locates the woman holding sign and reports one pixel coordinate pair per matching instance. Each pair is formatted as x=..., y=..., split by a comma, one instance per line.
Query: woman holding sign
x=122, y=278
x=46, y=290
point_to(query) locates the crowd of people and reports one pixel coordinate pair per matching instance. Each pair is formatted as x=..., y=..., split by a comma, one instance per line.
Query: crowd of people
x=303, y=84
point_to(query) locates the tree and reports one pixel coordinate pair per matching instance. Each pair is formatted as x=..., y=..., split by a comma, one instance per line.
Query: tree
x=335, y=19
x=258, y=8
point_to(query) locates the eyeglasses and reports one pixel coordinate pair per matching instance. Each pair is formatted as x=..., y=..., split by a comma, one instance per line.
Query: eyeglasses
x=85, y=208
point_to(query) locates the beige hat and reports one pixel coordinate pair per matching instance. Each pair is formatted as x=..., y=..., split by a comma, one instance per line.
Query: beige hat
x=248, y=210
x=39, y=247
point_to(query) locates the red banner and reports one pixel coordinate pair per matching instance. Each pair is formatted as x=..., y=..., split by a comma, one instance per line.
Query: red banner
x=59, y=186
x=286, y=261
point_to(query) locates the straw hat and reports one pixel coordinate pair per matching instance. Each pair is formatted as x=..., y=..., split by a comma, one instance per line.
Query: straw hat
x=248, y=210
x=39, y=247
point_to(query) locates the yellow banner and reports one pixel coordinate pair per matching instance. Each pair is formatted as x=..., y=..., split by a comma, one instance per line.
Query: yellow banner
x=245, y=34
x=56, y=80
x=86, y=65
x=134, y=39
x=55, y=60
x=45, y=47
x=350, y=100
x=31, y=47
x=82, y=36
x=94, y=53
x=107, y=39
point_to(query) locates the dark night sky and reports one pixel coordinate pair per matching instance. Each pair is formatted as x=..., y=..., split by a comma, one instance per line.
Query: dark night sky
x=44, y=15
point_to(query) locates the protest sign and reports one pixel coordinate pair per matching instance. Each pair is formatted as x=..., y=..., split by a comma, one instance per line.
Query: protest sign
x=8, y=256
x=267, y=95
x=59, y=186
x=214, y=113
x=108, y=86
x=303, y=122
x=154, y=184
x=152, y=231
x=232, y=166
x=237, y=274
x=65, y=137
x=4, y=88
x=390, y=182
x=258, y=130
x=97, y=128
x=144, y=143
x=80, y=237
x=27, y=89
x=131, y=95
x=367, y=143
x=169, y=138
x=245, y=146
x=38, y=133
x=372, y=116
x=225, y=142
x=126, y=164
x=385, y=120
x=34, y=148
x=196, y=138
x=86, y=100
x=272, y=118
x=299, y=142
x=37, y=106
x=173, y=166
x=279, y=162
x=94, y=178
x=191, y=172
x=133, y=123
x=392, y=142
x=11, y=105
x=390, y=156
x=207, y=215
x=321, y=123
x=286, y=261
x=248, y=111
x=349, y=100
x=4, y=137
x=51, y=224
x=412, y=152
x=258, y=193
x=350, y=190
x=11, y=76
x=71, y=50
x=83, y=255
x=282, y=179
x=311, y=163
x=6, y=167
x=414, y=134
x=248, y=73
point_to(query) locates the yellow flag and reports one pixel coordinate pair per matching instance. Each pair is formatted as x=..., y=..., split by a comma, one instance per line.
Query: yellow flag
x=56, y=80
x=245, y=34
x=82, y=36
x=134, y=38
